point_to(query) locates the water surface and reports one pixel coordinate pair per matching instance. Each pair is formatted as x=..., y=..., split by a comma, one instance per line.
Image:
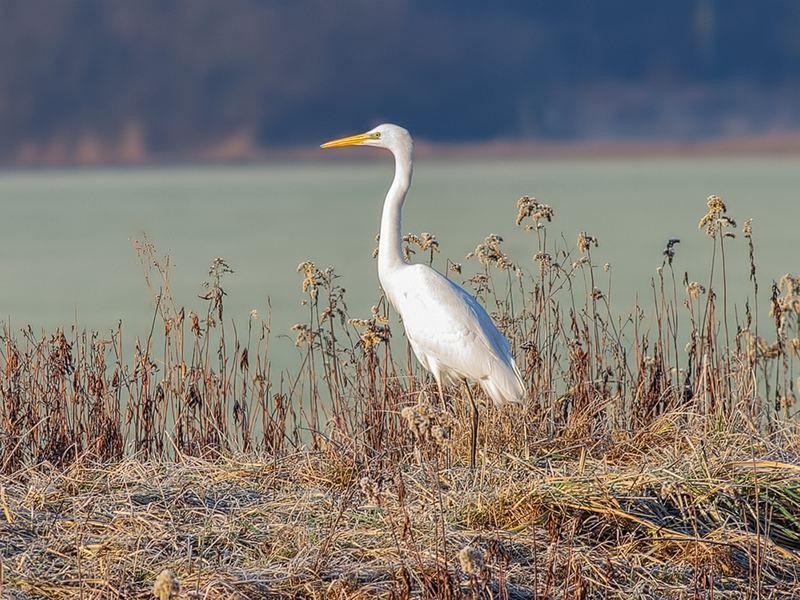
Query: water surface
x=66, y=252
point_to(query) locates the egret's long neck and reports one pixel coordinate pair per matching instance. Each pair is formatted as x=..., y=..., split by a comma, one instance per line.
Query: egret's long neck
x=390, y=251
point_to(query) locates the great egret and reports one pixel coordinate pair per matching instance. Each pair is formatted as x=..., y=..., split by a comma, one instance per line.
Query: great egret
x=449, y=331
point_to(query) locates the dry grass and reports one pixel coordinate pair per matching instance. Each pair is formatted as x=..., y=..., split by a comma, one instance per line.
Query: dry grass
x=652, y=521
x=658, y=457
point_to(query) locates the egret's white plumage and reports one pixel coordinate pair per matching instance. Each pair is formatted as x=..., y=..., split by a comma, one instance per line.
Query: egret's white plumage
x=450, y=332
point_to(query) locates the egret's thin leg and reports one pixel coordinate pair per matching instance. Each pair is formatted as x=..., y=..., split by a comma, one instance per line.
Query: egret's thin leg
x=474, y=438
x=444, y=408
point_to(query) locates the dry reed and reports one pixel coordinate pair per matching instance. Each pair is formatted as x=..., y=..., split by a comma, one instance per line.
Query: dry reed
x=657, y=457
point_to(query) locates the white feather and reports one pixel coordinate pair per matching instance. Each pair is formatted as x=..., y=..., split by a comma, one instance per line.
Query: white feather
x=452, y=335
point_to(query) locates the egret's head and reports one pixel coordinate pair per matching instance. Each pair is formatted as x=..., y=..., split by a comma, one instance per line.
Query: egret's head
x=392, y=137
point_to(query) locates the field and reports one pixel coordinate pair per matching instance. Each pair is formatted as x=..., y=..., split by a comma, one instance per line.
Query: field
x=657, y=456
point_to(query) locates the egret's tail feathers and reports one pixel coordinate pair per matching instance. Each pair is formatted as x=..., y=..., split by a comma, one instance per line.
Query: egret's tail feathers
x=504, y=384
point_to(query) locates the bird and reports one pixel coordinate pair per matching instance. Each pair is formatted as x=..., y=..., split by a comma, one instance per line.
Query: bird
x=450, y=332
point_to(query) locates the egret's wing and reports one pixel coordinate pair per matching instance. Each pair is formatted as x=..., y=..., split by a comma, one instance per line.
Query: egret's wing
x=446, y=322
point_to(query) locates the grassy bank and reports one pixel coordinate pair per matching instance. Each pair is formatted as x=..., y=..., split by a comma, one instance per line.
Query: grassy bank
x=663, y=514
x=657, y=456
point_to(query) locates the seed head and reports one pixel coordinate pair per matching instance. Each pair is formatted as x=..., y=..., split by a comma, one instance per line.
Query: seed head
x=425, y=241
x=417, y=419
x=440, y=435
x=373, y=334
x=370, y=489
x=669, y=251
x=377, y=242
x=166, y=585
x=480, y=283
x=543, y=259
x=785, y=298
x=304, y=334
x=379, y=318
x=472, y=560
x=528, y=206
x=694, y=290
x=195, y=320
x=490, y=252
x=716, y=205
x=715, y=218
x=311, y=277
x=425, y=423
x=586, y=241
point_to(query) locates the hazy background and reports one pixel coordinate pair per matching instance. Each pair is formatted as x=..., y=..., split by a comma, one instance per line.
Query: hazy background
x=85, y=81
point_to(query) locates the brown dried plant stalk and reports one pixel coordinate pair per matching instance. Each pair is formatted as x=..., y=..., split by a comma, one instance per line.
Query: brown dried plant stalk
x=657, y=454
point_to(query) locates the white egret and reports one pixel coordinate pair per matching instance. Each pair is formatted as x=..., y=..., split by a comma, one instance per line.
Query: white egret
x=449, y=331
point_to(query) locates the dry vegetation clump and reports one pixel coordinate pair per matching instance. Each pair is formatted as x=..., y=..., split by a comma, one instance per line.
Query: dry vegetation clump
x=658, y=456
x=656, y=522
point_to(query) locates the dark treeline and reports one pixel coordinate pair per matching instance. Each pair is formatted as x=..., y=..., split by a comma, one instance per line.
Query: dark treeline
x=170, y=76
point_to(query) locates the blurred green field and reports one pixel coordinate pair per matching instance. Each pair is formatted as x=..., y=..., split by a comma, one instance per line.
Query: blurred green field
x=66, y=251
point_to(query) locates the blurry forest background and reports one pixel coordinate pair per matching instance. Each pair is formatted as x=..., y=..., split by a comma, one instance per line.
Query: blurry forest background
x=85, y=81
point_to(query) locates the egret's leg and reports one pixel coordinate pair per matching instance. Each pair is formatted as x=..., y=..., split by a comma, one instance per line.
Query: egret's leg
x=474, y=438
x=444, y=408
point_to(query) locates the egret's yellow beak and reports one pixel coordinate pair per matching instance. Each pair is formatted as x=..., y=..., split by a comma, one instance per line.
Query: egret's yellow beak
x=353, y=140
